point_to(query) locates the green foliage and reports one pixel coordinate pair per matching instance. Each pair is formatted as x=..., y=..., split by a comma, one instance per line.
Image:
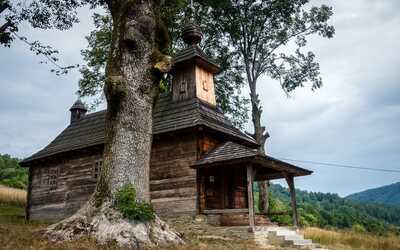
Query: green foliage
x=277, y=205
x=96, y=55
x=389, y=194
x=228, y=82
x=327, y=210
x=359, y=228
x=11, y=173
x=125, y=201
x=259, y=29
x=259, y=32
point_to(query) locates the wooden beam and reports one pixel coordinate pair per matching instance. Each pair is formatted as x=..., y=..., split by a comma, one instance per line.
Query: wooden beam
x=226, y=211
x=290, y=182
x=250, y=196
x=202, y=198
x=198, y=209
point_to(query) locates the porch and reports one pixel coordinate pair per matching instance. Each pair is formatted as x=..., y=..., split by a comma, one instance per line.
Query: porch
x=225, y=179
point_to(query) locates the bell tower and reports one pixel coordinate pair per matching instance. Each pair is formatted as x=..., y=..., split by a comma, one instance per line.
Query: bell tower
x=78, y=110
x=193, y=70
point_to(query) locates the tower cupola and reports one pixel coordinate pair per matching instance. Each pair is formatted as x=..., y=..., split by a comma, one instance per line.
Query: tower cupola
x=193, y=70
x=78, y=110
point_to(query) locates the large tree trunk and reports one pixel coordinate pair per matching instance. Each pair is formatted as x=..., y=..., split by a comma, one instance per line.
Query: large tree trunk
x=133, y=72
x=130, y=90
x=260, y=135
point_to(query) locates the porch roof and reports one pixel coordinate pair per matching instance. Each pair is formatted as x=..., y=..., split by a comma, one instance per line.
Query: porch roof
x=231, y=153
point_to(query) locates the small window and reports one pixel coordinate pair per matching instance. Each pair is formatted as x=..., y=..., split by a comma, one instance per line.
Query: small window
x=96, y=169
x=183, y=87
x=212, y=179
x=53, y=179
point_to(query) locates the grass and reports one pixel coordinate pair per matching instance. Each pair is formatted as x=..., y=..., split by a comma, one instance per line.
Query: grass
x=16, y=233
x=12, y=196
x=351, y=240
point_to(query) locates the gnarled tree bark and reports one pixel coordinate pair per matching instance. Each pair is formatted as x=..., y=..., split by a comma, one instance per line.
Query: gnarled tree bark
x=134, y=68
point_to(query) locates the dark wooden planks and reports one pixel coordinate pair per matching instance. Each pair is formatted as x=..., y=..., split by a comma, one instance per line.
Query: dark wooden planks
x=74, y=185
x=173, y=187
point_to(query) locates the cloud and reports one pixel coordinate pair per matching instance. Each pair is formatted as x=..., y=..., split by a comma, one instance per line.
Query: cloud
x=353, y=119
x=34, y=102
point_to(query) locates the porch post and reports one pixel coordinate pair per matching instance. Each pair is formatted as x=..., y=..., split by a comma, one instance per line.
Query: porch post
x=290, y=182
x=202, y=198
x=250, y=196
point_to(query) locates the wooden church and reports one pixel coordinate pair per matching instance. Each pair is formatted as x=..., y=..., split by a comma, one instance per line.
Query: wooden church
x=200, y=163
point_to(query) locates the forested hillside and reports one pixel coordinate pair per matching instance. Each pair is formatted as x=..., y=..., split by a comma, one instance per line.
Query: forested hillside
x=11, y=174
x=330, y=210
x=389, y=194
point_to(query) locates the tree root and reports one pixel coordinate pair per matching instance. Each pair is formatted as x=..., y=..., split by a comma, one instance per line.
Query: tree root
x=107, y=225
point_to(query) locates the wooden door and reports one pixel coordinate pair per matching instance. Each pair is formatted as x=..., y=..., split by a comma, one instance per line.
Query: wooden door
x=213, y=194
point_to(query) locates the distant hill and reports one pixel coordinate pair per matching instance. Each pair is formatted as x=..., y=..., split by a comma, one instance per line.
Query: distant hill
x=327, y=210
x=389, y=195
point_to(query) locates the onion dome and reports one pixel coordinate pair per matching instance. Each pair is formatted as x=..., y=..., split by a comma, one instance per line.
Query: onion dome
x=191, y=33
x=78, y=111
x=78, y=105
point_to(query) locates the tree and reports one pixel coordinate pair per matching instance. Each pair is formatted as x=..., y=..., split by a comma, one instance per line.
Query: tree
x=7, y=27
x=11, y=173
x=13, y=16
x=136, y=63
x=258, y=30
x=228, y=82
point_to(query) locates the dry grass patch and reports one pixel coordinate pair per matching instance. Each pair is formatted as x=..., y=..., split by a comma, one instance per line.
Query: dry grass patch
x=17, y=234
x=12, y=196
x=351, y=240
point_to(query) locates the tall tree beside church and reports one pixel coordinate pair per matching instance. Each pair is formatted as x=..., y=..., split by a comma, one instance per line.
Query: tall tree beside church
x=259, y=30
x=135, y=66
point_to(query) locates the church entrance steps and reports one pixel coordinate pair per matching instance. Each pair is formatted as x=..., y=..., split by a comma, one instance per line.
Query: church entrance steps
x=263, y=237
x=284, y=237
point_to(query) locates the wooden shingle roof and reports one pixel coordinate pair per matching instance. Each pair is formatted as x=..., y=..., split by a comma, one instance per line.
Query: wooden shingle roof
x=225, y=152
x=233, y=153
x=168, y=116
x=193, y=52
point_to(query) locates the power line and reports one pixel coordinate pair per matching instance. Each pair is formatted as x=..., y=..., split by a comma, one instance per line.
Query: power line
x=341, y=165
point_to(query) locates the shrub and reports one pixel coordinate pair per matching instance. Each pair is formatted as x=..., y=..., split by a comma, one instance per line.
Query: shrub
x=359, y=228
x=130, y=208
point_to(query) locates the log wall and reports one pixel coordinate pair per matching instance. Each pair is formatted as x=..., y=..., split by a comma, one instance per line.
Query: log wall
x=173, y=187
x=61, y=187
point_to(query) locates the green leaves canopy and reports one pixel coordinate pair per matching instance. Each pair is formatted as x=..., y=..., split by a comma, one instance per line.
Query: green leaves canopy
x=11, y=174
x=228, y=82
x=258, y=30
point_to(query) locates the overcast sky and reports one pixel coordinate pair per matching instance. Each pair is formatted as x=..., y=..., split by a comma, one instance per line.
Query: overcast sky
x=354, y=119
